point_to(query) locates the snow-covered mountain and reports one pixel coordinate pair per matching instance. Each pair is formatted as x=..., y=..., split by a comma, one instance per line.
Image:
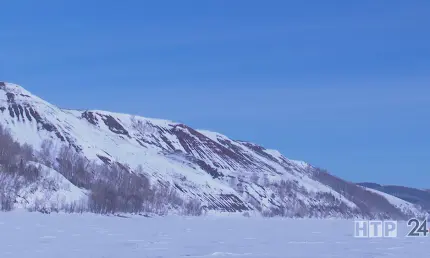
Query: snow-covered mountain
x=222, y=173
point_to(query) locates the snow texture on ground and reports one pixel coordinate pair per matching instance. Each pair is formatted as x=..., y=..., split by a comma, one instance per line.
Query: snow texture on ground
x=71, y=235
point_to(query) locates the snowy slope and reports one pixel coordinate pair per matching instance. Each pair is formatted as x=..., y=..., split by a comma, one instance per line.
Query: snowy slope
x=224, y=174
x=52, y=191
x=406, y=207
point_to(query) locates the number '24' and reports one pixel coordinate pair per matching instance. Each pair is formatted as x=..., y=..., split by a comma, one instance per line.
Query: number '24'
x=419, y=228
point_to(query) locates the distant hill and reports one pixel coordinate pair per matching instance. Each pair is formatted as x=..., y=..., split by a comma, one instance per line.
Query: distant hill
x=412, y=195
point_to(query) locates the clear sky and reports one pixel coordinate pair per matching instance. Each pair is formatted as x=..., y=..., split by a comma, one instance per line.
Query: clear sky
x=344, y=85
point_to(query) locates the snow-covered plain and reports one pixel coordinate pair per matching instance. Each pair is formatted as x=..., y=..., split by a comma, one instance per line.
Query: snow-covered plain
x=35, y=235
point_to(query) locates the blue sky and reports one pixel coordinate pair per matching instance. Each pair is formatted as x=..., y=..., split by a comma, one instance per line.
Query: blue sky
x=341, y=84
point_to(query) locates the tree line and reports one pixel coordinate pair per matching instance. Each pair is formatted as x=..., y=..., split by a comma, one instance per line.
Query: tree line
x=112, y=188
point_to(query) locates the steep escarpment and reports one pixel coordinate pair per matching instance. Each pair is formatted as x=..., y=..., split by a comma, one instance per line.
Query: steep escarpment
x=222, y=174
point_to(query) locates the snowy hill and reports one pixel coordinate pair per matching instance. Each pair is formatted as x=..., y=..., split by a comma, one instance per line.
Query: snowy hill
x=221, y=173
x=420, y=197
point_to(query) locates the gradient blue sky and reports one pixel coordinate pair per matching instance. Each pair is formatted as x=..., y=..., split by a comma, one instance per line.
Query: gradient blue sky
x=344, y=85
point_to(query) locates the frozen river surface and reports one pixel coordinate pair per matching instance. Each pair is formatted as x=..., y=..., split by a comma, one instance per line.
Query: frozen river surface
x=34, y=235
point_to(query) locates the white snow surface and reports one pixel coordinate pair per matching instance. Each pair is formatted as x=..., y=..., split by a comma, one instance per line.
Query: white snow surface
x=36, y=235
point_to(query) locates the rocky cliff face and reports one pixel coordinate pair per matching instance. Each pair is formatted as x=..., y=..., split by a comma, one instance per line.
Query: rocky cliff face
x=224, y=174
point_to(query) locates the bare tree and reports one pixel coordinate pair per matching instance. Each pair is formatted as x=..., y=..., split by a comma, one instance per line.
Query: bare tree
x=266, y=181
x=46, y=154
